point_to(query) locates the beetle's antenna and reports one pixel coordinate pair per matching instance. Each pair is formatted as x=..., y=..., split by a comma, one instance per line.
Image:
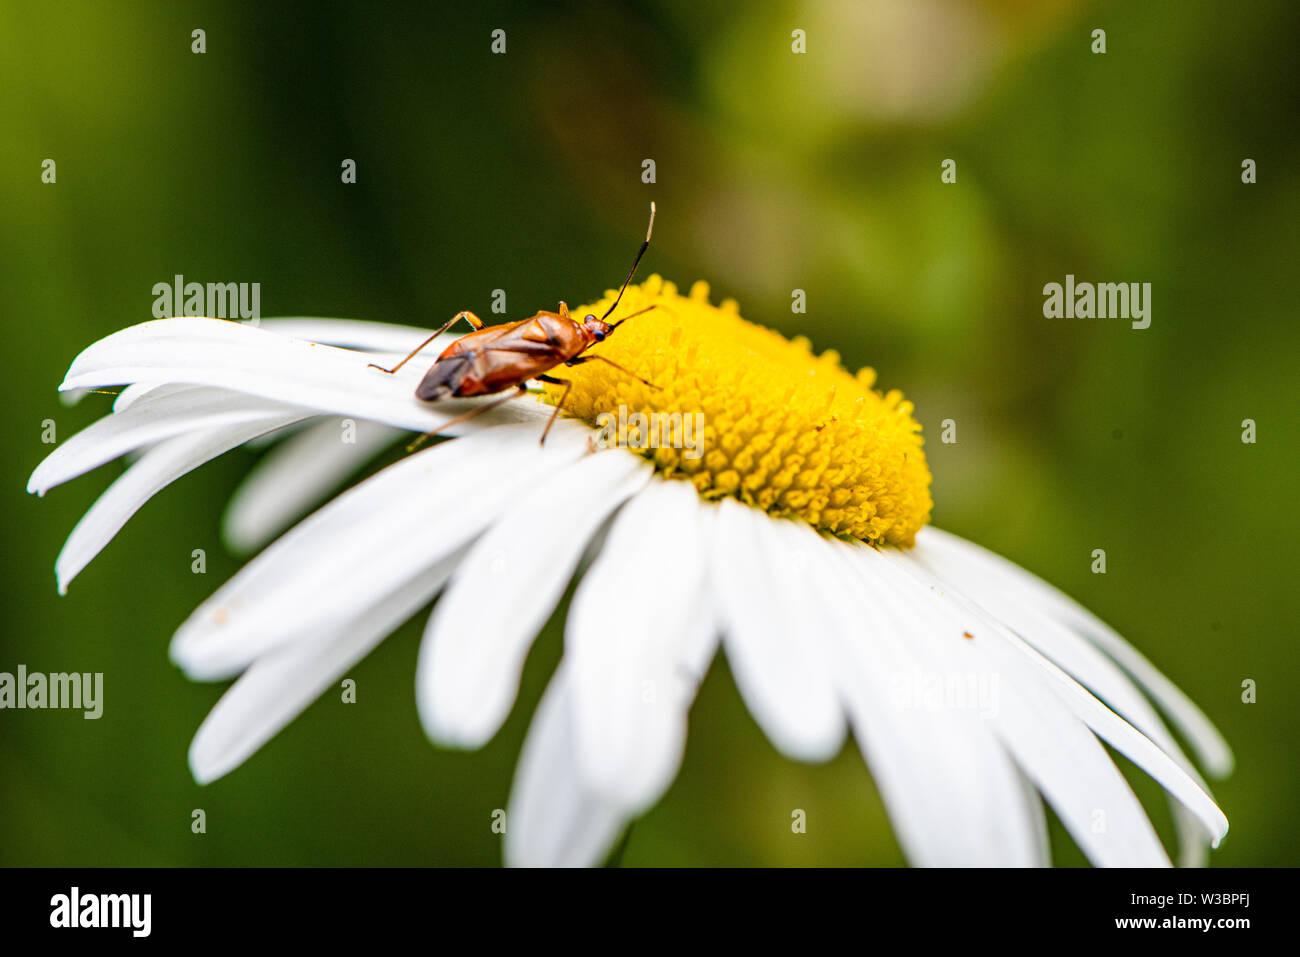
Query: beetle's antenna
x=631, y=315
x=635, y=262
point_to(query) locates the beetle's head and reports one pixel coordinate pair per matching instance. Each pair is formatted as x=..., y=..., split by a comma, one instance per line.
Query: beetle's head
x=598, y=329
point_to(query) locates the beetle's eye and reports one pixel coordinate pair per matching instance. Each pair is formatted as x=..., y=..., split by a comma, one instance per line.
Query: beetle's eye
x=600, y=337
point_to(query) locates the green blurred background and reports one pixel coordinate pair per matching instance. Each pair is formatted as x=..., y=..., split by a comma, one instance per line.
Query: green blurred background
x=775, y=171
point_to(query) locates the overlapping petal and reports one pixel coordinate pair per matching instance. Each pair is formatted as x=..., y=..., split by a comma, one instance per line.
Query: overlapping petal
x=554, y=818
x=997, y=572
x=280, y=685
x=259, y=363
x=366, y=542
x=152, y=472
x=297, y=474
x=920, y=752
x=1045, y=715
x=781, y=666
x=626, y=644
x=507, y=585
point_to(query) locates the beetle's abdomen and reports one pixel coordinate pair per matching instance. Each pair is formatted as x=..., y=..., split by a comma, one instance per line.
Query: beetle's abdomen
x=445, y=377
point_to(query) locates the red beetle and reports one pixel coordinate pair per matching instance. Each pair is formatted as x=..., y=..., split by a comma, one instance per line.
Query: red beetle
x=496, y=358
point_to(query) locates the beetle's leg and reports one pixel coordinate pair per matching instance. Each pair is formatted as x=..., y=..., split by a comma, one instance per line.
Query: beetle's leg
x=477, y=410
x=468, y=316
x=563, y=310
x=567, y=386
x=581, y=359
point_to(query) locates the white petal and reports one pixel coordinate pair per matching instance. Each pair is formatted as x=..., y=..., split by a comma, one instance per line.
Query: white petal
x=152, y=419
x=1049, y=743
x=273, y=438
x=1036, y=820
x=1211, y=750
x=1126, y=739
x=553, y=818
x=154, y=471
x=1068, y=650
x=138, y=390
x=625, y=644
x=1013, y=654
x=261, y=363
x=505, y=589
x=1193, y=845
x=954, y=797
x=298, y=474
x=364, y=334
x=780, y=666
x=280, y=685
x=365, y=543
x=699, y=645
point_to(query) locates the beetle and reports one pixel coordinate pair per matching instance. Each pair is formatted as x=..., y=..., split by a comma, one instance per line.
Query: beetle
x=492, y=359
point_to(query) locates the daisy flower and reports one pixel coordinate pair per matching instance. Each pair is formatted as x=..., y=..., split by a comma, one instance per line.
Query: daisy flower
x=796, y=543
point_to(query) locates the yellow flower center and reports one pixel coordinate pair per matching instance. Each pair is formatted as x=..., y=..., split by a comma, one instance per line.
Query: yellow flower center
x=784, y=430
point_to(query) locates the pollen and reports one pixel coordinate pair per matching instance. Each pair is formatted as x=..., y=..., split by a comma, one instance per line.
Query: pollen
x=780, y=428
